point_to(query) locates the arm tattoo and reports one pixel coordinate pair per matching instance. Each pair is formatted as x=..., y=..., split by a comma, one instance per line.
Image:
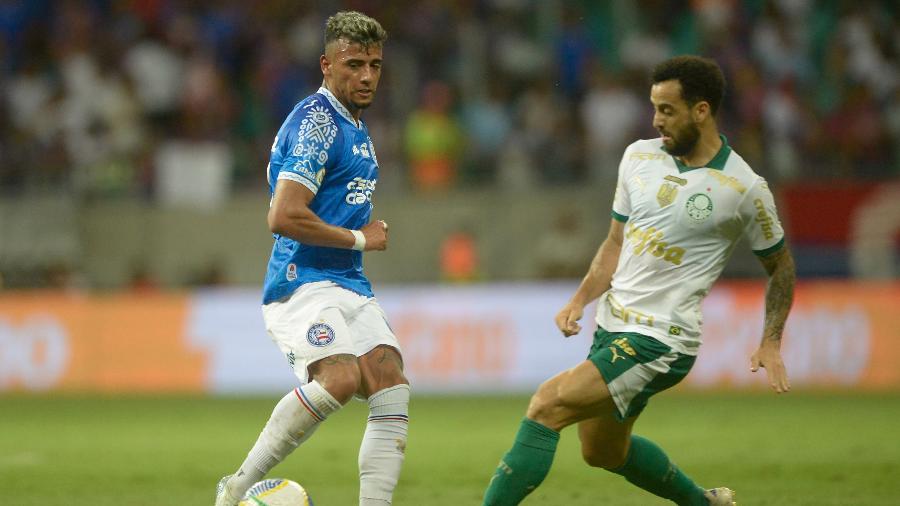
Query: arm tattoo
x=779, y=293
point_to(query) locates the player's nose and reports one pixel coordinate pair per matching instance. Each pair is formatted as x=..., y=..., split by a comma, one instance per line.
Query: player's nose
x=365, y=76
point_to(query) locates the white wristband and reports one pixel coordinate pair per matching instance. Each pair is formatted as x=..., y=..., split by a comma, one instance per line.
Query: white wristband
x=359, y=240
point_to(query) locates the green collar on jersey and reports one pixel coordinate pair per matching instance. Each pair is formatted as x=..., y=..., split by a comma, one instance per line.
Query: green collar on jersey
x=717, y=162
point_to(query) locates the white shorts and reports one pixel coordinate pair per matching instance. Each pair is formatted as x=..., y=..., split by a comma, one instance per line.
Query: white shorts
x=322, y=319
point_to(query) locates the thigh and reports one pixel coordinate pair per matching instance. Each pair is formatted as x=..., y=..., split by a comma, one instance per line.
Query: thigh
x=380, y=359
x=379, y=369
x=308, y=327
x=369, y=326
x=635, y=367
x=571, y=396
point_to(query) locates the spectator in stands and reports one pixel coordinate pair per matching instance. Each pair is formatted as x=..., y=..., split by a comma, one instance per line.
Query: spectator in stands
x=433, y=140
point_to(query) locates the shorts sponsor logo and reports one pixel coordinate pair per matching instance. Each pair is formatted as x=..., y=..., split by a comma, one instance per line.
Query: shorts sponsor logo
x=699, y=206
x=615, y=355
x=762, y=217
x=291, y=274
x=291, y=358
x=622, y=342
x=320, y=334
x=623, y=345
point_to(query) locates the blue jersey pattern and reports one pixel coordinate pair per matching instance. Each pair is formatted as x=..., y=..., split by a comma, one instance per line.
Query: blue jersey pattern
x=321, y=147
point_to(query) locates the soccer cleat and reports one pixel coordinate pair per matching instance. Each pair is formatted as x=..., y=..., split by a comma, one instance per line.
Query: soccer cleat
x=223, y=495
x=721, y=496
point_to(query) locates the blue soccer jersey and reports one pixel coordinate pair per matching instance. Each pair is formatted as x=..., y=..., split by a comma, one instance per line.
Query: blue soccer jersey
x=321, y=147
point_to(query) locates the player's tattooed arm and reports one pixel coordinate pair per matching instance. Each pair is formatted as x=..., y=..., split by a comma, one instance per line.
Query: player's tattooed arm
x=779, y=297
x=779, y=292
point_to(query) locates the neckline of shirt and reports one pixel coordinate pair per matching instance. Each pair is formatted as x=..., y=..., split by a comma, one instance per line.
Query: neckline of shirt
x=339, y=107
x=717, y=162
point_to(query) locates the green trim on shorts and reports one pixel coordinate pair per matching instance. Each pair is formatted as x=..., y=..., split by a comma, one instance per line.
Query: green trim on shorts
x=617, y=354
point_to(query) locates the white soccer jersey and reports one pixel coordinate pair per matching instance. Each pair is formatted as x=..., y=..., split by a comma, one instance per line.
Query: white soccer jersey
x=681, y=225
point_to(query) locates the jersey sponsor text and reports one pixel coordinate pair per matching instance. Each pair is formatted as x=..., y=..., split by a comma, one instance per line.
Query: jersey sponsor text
x=651, y=240
x=762, y=217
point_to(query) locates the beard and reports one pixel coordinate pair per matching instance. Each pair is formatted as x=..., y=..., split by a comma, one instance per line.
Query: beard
x=362, y=104
x=684, y=141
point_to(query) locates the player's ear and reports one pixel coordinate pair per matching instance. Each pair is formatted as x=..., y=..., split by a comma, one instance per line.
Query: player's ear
x=325, y=65
x=700, y=111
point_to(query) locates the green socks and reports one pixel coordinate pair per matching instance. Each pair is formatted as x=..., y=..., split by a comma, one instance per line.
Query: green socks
x=524, y=467
x=648, y=467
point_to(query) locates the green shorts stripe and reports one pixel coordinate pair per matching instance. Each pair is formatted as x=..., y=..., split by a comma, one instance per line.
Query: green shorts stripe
x=635, y=367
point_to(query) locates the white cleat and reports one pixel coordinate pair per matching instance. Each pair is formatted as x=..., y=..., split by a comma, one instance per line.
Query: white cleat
x=721, y=496
x=223, y=495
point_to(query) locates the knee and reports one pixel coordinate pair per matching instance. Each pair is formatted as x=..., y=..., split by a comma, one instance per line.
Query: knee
x=546, y=408
x=606, y=458
x=388, y=379
x=343, y=387
x=340, y=380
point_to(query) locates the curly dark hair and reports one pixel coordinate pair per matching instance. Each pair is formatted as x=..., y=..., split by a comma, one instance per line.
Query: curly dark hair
x=701, y=79
x=355, y=27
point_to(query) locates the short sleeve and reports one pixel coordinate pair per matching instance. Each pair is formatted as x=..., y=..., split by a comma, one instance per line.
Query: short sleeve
x=621, y=208
x=762, y=228
x=307, y=153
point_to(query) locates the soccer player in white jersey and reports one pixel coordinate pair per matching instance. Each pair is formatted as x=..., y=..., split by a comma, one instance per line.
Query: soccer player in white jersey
x=318, y=305
x=682, y=203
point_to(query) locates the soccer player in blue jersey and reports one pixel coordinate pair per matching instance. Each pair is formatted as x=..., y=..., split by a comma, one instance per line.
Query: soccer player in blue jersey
x=318, y=305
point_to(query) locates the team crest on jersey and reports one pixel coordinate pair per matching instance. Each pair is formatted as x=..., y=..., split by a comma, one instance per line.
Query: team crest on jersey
x=666, y=194
x=291, y=273
x=699, y=206
x=320, y=334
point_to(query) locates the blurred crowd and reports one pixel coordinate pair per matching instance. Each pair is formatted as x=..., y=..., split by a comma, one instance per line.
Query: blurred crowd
x=139, y=98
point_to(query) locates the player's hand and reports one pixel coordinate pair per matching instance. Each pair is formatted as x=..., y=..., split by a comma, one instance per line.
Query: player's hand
x=768, y=356
x=376, y=235
x=567, y=319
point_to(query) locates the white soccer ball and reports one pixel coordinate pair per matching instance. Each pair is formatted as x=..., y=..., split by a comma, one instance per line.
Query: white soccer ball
x=276, y=492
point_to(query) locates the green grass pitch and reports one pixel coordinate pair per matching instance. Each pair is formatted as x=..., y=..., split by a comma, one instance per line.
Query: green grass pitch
x=796, y=449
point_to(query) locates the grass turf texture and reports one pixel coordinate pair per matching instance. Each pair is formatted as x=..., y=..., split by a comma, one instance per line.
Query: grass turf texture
x=797, y=449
